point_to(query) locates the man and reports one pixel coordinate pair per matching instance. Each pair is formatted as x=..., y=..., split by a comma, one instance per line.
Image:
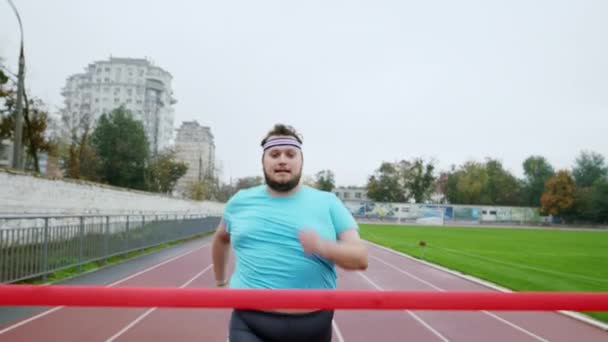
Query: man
x=285, y=236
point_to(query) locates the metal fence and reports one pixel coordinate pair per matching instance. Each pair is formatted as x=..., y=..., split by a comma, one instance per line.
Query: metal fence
x=37, y=246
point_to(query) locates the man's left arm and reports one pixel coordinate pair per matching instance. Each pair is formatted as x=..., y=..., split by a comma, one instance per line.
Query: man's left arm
x=349, y=252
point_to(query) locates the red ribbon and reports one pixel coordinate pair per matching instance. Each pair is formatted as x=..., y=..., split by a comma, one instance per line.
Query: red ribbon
x=96, y=296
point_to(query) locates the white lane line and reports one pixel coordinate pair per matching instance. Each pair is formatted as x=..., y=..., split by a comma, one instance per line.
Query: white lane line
x=158, y=265
x=57, y=308
x=149, y=311
x=407, y=273
x=515, y=326
x=418, y=319
x=17, y=325
x=337, y=330
x=511, y=324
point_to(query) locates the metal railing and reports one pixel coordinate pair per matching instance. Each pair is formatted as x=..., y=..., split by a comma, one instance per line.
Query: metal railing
x=35, y=246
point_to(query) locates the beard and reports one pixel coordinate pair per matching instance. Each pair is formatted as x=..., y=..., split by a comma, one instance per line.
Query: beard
x=284, y=186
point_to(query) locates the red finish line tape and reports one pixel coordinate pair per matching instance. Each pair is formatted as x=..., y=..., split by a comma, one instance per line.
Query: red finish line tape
x=56, y=295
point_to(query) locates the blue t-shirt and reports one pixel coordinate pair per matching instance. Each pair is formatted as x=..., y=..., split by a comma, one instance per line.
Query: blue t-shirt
x=264, y=235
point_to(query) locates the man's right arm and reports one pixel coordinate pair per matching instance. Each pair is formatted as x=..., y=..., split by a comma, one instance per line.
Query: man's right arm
x=220, y=251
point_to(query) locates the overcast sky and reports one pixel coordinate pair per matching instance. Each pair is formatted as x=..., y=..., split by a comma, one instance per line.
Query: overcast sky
x=363, y=81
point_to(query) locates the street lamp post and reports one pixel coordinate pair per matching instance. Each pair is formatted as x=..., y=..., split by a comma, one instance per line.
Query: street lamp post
x=17, y=143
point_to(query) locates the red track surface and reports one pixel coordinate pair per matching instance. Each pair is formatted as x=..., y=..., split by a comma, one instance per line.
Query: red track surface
x=387, y=271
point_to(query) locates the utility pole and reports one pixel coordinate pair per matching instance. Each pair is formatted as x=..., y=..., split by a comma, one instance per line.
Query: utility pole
x=18, y=134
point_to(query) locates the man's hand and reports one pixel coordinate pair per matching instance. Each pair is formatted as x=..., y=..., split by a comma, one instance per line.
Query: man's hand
x=311, y=242
x=220, y=251
x=348, y=252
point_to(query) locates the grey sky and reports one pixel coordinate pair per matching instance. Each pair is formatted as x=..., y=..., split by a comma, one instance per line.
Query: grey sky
x=363, y=81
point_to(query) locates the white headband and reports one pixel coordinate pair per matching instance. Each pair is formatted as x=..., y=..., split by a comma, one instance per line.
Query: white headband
x=283, y=141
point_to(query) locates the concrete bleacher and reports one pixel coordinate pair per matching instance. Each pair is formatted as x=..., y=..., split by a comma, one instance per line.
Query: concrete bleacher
x=23, y=193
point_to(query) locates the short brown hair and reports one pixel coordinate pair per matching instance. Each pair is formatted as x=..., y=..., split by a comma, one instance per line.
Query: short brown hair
x=284, y=130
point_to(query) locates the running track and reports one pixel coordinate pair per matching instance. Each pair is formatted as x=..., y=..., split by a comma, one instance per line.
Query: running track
x=387, y=271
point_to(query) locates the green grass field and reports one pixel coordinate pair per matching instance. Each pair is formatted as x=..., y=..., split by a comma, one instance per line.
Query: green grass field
x=519, y=259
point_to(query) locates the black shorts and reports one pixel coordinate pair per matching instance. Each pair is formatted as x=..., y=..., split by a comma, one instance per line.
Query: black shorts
x=258, y=326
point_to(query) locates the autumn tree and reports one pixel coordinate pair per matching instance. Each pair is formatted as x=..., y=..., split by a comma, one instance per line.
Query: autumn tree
x=558, y=198
x=35, y=121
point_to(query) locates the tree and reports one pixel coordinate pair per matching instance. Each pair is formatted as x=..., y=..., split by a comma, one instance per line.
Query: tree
x=3, y=81
x=502, y=187
x=225, y=191
x=197, y=190
x=591, y=203
x=441, y=185
x=309, y=180
x=248, y=182
x=35, y=117
x=204, y=189
x=591, y=176
x=482, y=183
x=558, y=198
x=465, y=185
x=80, y=160
x=122, y=147
x=589, y=168
x=164, y=171
x=384, y=185
x=599, y=202
x=324, y=180
x=418, y=178
x=537, y=171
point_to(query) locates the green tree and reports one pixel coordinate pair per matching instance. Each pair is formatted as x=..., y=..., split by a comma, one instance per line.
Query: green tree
x=582, y=209
x=164, y=171
x=537, y=171
x=385, y=185
x=465, y=185
x=599, y=202
x=591, y=203
x=122, y=147
x=482, y=183
x=589, y=168
x=502, y=188
x=418, y=178
x=324, y=180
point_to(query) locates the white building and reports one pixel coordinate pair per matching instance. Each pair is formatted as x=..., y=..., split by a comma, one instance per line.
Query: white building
x=195, y=147
x=136, y=84
x=351, y=194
